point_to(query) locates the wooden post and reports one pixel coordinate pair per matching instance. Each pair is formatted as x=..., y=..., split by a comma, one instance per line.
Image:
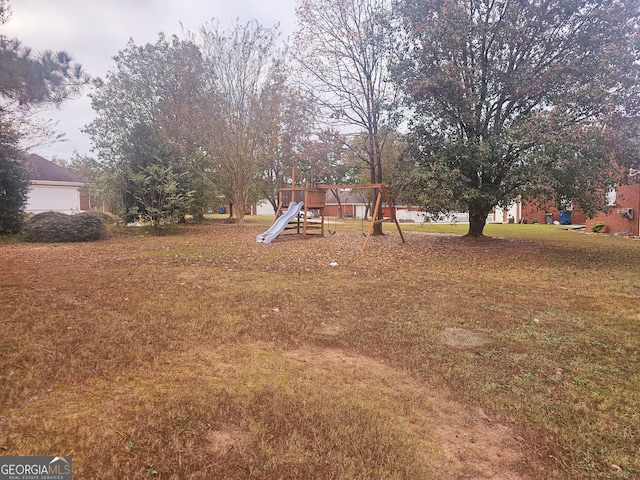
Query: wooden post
x=279, y=211
x=392, y=212
x=304, y=210
x=373, y=218
x=382, y=191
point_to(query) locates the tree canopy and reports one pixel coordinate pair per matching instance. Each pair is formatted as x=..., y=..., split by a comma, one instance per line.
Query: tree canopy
x=218, y=98
x=517, y=98
x=142, y=131
x=150, y=84
x=504, y=100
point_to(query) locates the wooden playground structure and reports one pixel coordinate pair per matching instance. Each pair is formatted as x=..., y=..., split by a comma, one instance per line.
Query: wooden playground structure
x=313, y=198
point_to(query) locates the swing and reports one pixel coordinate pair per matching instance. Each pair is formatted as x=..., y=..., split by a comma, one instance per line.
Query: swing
x=335, y=226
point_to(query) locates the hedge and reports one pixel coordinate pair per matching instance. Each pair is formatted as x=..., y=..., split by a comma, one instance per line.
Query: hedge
x=53, y=227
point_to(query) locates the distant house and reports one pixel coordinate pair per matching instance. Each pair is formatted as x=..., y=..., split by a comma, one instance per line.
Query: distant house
x=53, y=187
x=352, y=202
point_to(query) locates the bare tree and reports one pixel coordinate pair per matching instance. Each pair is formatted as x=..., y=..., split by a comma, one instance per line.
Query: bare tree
x=244, y=81
x=344, y=49
x=294, y=113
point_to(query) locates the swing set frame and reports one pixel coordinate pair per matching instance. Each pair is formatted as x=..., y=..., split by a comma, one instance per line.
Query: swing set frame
x=314, y=199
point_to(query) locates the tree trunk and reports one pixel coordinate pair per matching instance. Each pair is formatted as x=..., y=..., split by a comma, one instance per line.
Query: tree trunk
x=240, y=201
x=477, y=221
x=336, y=195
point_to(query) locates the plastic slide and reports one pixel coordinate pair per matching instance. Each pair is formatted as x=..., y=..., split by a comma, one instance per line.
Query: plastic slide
x=281, y=222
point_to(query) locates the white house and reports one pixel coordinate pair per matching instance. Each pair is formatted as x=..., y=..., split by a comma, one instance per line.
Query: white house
x=264, y=207
x=53, y=187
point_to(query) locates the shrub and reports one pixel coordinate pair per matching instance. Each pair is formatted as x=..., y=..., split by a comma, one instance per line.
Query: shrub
x=597, y=227
x=14, y=187
x=59, y=227
x=159, y=194
x=107, y=218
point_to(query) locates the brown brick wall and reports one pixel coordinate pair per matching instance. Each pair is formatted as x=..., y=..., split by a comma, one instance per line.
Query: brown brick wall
x=534, y=211
x=85, y=204
x=627, y=196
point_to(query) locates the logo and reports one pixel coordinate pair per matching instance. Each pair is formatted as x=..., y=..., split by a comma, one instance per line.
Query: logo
x=35, y=468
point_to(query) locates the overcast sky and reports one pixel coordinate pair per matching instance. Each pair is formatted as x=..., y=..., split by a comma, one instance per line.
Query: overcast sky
x=93, y=31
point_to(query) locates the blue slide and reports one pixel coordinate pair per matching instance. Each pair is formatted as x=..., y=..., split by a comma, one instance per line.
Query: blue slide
x=281, y=222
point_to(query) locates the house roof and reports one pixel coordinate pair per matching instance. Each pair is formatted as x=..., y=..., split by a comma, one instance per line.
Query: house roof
x=40, y=168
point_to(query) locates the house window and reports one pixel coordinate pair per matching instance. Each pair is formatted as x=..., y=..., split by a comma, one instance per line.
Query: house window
x=566, y=204
x=611, y=197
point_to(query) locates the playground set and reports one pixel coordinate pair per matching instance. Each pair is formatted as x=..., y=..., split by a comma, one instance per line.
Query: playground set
x=293, y=200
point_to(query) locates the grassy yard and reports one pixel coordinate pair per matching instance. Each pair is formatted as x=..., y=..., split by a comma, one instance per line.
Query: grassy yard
x=203, y=355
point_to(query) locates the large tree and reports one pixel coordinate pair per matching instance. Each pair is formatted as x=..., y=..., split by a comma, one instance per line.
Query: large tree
x=518, y=97
x=146, y=110
x=155, y=187
x=242, y=109
x=344, y=49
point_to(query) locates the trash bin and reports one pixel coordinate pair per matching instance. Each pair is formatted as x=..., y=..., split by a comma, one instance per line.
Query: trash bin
x=565, y=217
x=222, y=210
x=548, y=218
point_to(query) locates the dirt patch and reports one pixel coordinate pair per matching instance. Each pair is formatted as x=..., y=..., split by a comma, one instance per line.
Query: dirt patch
x=222, y=441
x=464, y=439
x=461, y=337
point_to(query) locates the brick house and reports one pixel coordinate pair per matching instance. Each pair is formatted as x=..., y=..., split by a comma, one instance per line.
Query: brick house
x=533, y=212
x=624, y=204
x=624, y=214
x=353, y=204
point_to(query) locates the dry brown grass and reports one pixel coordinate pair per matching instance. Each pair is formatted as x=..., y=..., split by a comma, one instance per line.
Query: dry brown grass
x=205, y=355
